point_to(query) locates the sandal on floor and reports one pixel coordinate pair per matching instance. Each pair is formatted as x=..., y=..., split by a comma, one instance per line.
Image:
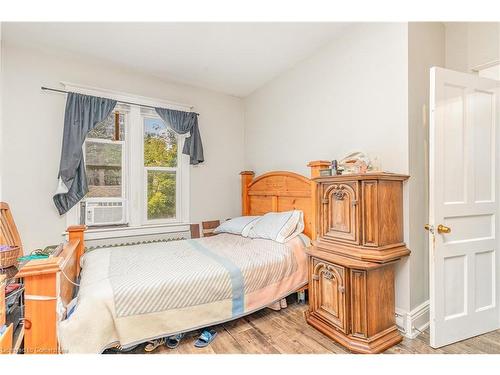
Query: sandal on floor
x=152, y=345
x=174, y=341
x=276, y=306
x=119, y=349
x=206, y=337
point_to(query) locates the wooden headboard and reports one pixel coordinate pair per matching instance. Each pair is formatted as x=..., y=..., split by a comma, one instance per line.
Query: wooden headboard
x=280, y=191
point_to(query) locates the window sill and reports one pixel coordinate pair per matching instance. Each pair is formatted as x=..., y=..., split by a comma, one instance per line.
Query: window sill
x=123, y=232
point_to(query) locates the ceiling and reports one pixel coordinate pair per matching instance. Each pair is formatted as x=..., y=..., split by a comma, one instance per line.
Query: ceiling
x=233, y=58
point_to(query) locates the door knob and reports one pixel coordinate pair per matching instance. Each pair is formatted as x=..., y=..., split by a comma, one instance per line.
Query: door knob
x=443, y=229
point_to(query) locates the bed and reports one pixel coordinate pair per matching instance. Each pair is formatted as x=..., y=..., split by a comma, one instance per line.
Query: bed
x=136, y=293
x=126, y=298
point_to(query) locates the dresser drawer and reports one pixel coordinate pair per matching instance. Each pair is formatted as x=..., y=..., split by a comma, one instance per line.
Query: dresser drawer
x=327, y=287
x=340, y=212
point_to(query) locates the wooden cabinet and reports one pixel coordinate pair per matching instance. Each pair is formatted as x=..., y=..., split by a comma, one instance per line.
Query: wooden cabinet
x=361, y=216
x=351, y=265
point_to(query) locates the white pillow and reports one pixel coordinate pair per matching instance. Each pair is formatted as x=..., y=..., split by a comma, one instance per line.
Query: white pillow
x=278, y=226
x=239, y=225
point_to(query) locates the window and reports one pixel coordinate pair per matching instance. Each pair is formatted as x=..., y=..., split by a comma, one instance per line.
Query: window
x=105, y=155
x=160, y=170
x=137, y=176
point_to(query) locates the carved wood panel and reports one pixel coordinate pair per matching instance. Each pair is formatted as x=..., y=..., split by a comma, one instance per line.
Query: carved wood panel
x=369, y=213
x=358, y=303
x=328, y=288
x=340, y=212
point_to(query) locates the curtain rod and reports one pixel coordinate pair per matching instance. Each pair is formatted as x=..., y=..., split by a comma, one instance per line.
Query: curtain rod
x=118, y=101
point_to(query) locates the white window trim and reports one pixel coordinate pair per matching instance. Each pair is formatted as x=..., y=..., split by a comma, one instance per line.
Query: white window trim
x=135, y=172
x=125, y=97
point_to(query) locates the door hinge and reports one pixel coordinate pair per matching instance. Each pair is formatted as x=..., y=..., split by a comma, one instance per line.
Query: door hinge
x=315, y=277
x=324, y=200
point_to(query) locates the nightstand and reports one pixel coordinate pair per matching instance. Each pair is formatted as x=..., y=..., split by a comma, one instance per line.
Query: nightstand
x=351, y=265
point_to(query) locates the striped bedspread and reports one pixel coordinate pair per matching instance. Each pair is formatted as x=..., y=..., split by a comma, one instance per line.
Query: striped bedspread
x=134, y=293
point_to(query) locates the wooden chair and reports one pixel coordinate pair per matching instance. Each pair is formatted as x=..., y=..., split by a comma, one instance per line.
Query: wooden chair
x=209, y=226
x=8, y=230
x=195, y=230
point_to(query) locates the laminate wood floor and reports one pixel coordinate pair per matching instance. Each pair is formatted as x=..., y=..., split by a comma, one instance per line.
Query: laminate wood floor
x=287, y=332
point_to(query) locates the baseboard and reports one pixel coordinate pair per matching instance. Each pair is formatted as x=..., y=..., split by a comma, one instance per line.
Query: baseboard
x=412, y=323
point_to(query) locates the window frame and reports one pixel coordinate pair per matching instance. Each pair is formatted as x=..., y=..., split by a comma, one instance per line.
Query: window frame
x=134, y=144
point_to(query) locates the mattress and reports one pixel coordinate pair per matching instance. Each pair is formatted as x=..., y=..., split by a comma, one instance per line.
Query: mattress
x=131, y=294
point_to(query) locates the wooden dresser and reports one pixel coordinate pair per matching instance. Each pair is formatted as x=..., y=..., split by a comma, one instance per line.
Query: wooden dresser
x=351, y=264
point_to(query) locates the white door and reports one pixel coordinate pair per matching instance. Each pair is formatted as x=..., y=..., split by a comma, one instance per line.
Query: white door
x=463, y=192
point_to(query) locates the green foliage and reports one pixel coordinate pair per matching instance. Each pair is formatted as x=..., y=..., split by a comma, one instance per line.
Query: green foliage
x=160, y=151
x=161, y=195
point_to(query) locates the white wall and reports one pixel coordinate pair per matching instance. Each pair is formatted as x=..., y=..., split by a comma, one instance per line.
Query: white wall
x=352, y=95
x=32, y=135
x=471, y=44
x=349, y=96
x=426, y=48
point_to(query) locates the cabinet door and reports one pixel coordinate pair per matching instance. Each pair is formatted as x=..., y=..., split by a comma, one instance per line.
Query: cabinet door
x=340, y=214
x=328, y=292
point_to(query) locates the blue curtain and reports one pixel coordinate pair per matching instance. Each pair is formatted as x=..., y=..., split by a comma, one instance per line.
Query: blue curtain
x=83, y=113
x=182, y=122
